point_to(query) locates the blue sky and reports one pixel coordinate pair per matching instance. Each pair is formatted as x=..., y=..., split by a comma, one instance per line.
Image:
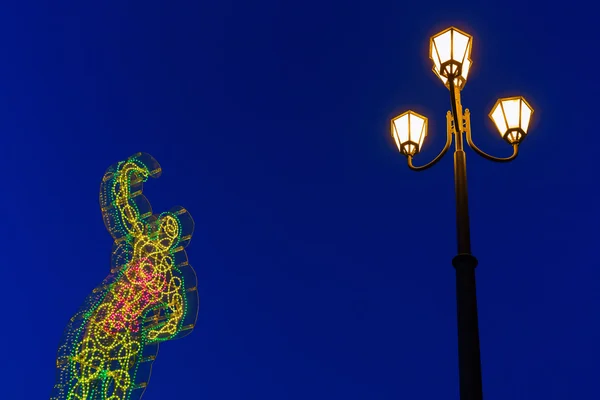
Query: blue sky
x=324, y=263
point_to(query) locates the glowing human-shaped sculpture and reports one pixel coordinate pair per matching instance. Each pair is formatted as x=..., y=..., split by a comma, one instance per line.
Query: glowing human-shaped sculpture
x=150, y=295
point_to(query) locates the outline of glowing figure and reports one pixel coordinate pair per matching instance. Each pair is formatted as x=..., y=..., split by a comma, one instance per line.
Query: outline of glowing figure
x=150, y=296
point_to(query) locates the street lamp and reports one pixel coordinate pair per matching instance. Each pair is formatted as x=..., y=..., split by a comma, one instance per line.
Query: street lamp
x=450, y=52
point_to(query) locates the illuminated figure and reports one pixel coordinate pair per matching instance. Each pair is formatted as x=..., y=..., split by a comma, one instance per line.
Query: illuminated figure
x=150, y=295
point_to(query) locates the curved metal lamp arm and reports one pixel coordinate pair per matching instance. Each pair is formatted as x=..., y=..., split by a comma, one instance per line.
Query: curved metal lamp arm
x=467, y=121
x=439, y=156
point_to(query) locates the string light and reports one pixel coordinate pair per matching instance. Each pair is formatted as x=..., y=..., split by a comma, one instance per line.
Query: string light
x=149, y=297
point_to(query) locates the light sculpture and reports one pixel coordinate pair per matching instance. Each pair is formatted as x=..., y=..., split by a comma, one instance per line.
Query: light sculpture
x=150, y=295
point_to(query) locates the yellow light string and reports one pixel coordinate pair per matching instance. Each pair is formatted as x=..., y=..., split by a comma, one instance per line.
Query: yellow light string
x=149, y=297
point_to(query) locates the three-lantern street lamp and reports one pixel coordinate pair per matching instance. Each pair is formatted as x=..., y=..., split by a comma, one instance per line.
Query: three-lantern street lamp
x=450, y=52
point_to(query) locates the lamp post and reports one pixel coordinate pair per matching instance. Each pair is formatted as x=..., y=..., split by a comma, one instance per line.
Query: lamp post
x=450, y=51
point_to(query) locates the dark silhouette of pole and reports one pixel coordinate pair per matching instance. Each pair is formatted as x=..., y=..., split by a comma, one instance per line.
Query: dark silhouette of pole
x=469, y=358
x=458, y=124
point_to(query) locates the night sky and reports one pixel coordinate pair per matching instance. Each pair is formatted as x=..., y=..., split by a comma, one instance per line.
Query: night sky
x=323, y=262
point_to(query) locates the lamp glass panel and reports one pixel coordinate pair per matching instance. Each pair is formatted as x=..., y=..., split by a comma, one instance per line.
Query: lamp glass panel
x=434, y=57
x=422, y=138
x=459, y=46
x=512, y=110
x=401, y=129
x=443, y=43
x=417, y=125
x=395, y=136
x=498, y=119
x=466, y=67
x=525, y=116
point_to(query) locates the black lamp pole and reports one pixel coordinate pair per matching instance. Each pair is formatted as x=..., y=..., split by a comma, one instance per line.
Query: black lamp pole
x=469, y=358
x=450, y=54
x=458, y=124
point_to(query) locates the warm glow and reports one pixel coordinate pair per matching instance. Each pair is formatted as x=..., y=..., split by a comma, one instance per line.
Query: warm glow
x=409, y=130
x=512, y=112
x=450, y=51
x=512, y=116
x=498, y=118
x=526, y=112
x=442, y=44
